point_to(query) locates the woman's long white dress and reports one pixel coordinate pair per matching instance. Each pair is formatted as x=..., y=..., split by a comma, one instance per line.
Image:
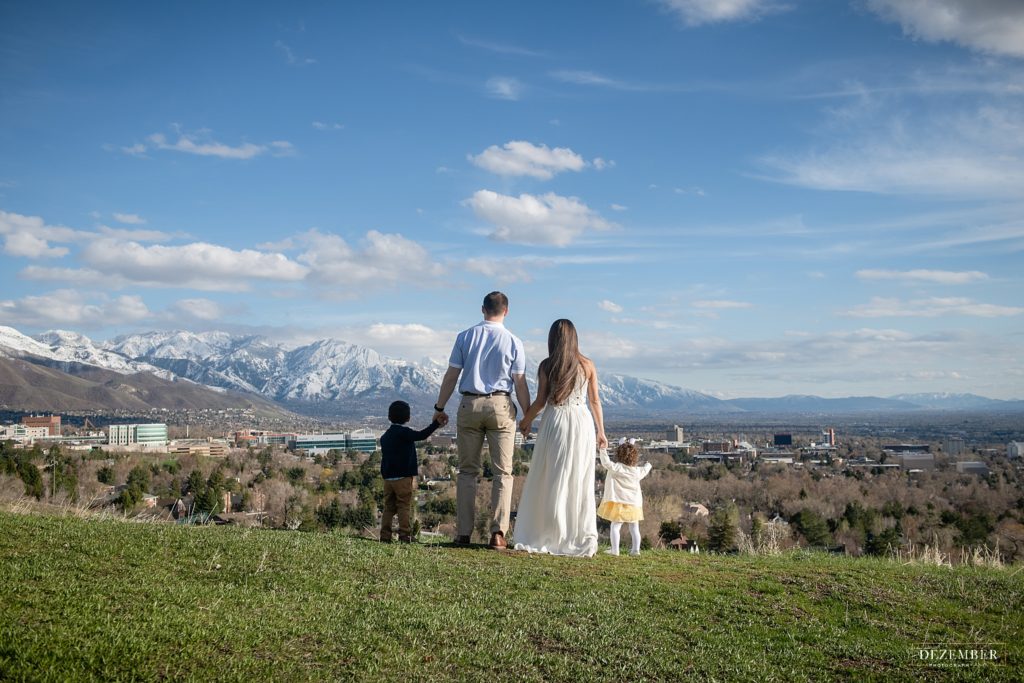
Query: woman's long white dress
x=557, y=511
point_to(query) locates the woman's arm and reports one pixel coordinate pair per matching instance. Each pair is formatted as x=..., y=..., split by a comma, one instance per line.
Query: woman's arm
x=594, y=398
x=526, y=424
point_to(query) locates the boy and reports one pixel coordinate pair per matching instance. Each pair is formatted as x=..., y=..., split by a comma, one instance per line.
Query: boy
x=398, y=466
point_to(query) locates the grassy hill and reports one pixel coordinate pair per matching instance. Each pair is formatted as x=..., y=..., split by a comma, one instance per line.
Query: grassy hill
x=113, y=600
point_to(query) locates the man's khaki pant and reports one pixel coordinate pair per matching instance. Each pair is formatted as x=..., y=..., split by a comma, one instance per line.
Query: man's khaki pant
x=398, y=495
x=493, y=418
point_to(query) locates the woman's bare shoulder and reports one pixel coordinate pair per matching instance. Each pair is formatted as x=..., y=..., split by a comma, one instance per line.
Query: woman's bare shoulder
x=588, y=365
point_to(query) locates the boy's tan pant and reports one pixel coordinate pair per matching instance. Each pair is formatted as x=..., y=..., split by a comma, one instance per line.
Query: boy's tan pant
x=398, y=495
x=493, y=418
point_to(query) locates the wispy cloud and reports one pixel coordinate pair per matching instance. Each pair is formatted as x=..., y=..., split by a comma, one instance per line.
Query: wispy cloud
x=321, y=125
x=609, y=306
x=504, y=88
x=881, y=307
x=992, y=26
x=201, y=143
x=70, y=307
x=129, y=218
x=500, y=48
x=290, y=57
x=700, y=12
x=592, y=78
x=942, y=277
x=720, y=304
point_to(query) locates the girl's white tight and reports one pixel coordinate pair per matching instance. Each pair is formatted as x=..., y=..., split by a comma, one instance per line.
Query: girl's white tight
x=634, y=537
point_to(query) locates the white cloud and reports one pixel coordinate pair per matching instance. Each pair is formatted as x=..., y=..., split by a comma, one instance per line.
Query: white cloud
x=30, y=236
x=27, y=245
x=529, y=219
x=881, y=307
x=500, y=48
x=70, y=308
x=290, y=57
x=320, y=125
x=504, y=88
x=410, y=341
x=198, y=265
x=380, y=260
x=943, y=277
x=610, y=306
x=601, y=164
x=129, y=218
x=201, y=144
x=524, y=268
x=138, y=149
x=198, y=309
x=993, y=26
x=619, y=207
x=594, y=79
x=695, y=191
x=698, y=12
x=518, y=158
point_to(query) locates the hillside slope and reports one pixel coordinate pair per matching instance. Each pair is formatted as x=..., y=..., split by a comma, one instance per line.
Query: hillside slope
x=48, y=385
x=115, y=600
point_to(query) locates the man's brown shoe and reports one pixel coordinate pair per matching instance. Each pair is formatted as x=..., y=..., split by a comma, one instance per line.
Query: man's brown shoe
x=462, y=540
x=498, y=541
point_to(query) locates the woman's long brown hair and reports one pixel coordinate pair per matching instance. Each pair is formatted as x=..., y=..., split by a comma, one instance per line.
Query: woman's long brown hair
x=562, y=366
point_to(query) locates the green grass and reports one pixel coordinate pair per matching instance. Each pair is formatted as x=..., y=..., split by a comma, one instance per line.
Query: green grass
x=112, y=600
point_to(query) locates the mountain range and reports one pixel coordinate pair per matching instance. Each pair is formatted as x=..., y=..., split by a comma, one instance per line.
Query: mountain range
x=333, y=378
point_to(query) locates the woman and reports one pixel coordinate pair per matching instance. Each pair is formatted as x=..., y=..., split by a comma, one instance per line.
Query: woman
x=557, y=509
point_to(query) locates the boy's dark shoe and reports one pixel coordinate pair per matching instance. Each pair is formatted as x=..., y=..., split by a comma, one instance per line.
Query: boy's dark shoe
x=405, y=539
x=498, y=541
x=384, y=539
x=462, y=540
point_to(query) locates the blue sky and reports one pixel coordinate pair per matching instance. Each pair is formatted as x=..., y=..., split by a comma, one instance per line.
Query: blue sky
x=746, y=197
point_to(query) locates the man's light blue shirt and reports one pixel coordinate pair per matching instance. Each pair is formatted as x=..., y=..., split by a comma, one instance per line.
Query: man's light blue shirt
x=489, y=355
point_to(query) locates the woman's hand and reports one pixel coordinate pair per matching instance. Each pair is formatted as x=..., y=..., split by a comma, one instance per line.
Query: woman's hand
x=525, y=427
x=602, y=440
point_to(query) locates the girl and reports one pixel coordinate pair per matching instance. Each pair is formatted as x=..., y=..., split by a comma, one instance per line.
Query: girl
x=623, y=502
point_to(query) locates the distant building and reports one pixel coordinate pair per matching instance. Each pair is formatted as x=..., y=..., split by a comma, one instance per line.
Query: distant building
x=153, y=434
x=207, y=448
x=51, y=422
x=917, y=461
x=829, y=434
x=907, y=448
x=361, y=440
x=782, y=440
x=675, y=434
x=953, y=445
x=1015, y=449
x=23, y=434
x=717, y=446
x=972, y=467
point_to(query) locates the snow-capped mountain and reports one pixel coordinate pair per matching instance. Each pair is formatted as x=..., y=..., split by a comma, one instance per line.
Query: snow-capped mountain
x=72, y=347
x=330, y=376
x=622, y=391
x=325, y=370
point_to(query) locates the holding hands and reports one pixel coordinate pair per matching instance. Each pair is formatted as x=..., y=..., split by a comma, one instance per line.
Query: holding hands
x=441, y=417
x=525, y=427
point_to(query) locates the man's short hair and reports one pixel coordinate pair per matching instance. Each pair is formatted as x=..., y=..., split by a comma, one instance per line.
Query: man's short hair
x=399, y=412
x=495, y=303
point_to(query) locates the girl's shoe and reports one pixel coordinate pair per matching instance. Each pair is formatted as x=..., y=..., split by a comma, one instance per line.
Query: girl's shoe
x=611, y=551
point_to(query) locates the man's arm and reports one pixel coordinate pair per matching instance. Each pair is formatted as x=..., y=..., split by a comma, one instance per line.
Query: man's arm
x=522, y=392
x=451, y=378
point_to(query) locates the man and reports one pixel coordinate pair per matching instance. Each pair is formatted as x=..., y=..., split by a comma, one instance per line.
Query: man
x=487, y=363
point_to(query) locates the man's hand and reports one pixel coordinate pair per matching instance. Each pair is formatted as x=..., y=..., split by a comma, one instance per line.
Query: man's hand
x=441, y=417
x=525, y=428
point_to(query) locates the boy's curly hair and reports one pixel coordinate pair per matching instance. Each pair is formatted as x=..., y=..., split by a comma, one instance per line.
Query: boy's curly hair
x=627, y=454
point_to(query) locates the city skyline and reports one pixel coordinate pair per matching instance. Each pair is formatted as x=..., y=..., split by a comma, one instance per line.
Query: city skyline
x=747, y=198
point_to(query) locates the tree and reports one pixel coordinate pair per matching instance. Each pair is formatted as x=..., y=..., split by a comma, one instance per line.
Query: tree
x=105, y=475
x=723, y=529
x=670, y=530
x=812, y=527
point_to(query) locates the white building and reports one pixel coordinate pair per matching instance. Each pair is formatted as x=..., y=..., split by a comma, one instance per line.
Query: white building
x=152, y=435
x=22, y=434
x=1015, y=449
